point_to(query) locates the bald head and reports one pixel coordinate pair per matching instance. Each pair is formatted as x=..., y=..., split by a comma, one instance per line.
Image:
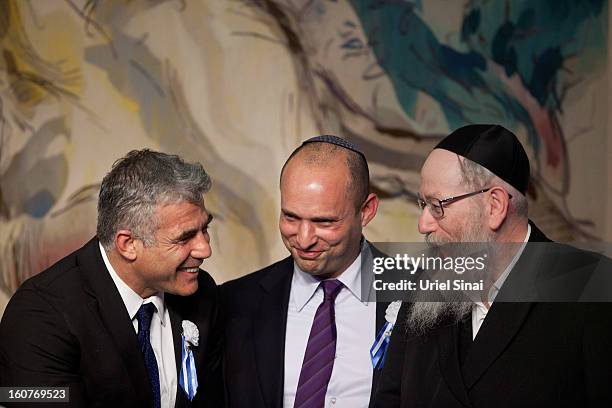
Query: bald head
x=324, y=207
x=333, y=158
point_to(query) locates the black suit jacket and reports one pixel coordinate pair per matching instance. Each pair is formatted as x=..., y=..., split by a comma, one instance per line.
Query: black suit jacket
x=529, y=354
x=255, y=315
x=68, y=326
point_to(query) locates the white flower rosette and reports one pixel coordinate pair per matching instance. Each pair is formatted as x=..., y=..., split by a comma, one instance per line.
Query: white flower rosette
x=392, y=311
x=191, y=333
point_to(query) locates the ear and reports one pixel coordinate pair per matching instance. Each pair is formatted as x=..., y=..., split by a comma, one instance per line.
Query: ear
x=126, y=245
x=499, y=200
x=368, y=209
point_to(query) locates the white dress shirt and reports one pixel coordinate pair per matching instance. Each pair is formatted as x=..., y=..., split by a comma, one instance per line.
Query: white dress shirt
x=480, y=310
x=351, y=379
x=160, y=333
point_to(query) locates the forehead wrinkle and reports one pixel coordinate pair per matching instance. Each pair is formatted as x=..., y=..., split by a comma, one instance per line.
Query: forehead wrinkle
x=176, y=216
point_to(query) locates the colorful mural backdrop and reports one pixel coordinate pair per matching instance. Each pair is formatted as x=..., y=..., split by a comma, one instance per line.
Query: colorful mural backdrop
x=237, y=84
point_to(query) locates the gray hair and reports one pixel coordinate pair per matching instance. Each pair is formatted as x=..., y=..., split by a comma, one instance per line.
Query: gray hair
x=477, y=177
x=137, y=184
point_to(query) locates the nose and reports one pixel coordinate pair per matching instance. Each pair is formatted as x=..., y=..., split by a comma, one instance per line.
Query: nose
x=427, y=223
x=306, y=236
x=201, y=246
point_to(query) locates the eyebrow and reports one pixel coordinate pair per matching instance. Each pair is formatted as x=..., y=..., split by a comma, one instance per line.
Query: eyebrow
x=434, y=195
x=191, y=232
x=325, y=219
x=315, y=219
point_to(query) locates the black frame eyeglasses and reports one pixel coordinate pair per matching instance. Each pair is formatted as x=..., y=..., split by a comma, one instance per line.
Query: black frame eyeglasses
x=436, y=207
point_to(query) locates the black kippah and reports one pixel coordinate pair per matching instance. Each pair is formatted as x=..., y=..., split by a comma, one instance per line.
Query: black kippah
x=493, y=147
x=335, y=140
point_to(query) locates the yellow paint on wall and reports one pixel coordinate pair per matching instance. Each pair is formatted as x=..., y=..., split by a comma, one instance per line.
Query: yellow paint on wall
x=42, y=55
x=99, y=77
x=128, y=104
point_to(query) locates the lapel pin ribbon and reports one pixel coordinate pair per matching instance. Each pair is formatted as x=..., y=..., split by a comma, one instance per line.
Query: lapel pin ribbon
x=378, y=351
x=188, y=378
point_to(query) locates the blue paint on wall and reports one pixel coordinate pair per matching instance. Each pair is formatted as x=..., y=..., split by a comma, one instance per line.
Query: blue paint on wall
x=528, y=38
x=39, y=204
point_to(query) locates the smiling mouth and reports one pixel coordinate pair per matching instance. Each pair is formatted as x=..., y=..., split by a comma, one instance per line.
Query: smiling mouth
x=194, y=269
x=308, y=255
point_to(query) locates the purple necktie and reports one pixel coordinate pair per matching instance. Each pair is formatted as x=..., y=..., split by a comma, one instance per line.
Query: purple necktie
x=320, y=352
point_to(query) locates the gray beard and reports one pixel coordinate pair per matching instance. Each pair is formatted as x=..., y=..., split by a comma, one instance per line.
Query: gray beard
x=424, y=316
x=454, y=307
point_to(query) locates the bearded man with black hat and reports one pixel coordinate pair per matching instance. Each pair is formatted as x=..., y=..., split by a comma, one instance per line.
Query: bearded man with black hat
x=513, y=348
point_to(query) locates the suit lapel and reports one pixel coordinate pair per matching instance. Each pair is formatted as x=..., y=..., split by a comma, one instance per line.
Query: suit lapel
x=368, y=251
x=269, y=327
x=448, y=340
x=367, y=282
x=381, y=308
x=499, y=328
x=506, y=315
x=107, y=300
x=177, y=330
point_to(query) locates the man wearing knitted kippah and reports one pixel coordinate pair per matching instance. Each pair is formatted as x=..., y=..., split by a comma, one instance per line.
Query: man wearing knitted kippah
x=535, y=338
x=298, y=333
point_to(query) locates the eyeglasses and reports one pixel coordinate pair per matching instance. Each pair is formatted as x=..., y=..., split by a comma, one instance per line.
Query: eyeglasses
x=436, y=207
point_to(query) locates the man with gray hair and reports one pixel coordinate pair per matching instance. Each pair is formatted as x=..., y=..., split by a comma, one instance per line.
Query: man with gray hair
x=129, y=319
x=506, y=347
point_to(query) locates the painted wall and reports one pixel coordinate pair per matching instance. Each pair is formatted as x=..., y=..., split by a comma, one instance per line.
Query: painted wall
x=238, y=84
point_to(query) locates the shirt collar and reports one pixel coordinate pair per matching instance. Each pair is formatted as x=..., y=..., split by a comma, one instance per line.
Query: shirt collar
x=304, y=285
x=496, y=287
x=131, y=299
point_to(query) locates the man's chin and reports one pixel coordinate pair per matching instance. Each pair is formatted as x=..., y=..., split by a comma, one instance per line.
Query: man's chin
x=189, y=290
x=184, y=288
x=309, y=267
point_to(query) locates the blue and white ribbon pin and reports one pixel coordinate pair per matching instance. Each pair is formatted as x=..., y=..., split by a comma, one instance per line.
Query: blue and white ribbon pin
x=188, y=379
x=378, y=351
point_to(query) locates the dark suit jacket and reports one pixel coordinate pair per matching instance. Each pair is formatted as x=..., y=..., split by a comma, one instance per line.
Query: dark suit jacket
x=68, y=326
x=255, y=315
x=529, y=354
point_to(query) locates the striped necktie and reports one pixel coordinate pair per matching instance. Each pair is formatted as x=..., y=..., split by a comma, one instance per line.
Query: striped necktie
x=320, y=351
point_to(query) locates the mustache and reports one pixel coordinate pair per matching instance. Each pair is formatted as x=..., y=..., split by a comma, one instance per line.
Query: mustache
x=433, y=242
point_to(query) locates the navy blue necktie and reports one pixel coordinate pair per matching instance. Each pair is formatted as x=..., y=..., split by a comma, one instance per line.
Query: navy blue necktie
x=144, y=315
